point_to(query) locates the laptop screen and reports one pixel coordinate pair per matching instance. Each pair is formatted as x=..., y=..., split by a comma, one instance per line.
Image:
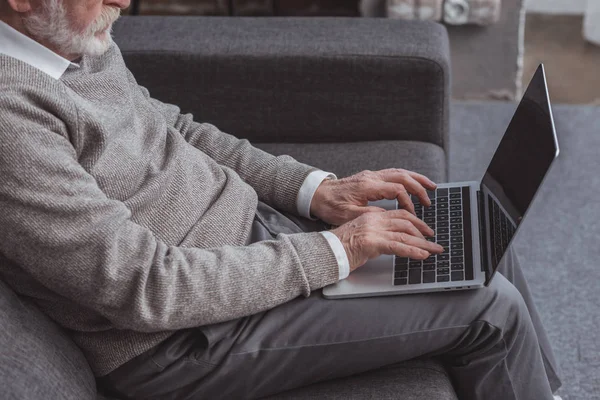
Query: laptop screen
x=528, y=148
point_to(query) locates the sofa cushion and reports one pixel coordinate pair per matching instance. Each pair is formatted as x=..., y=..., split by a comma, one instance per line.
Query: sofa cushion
x=345, y=159
x=37, y=360
x=412, y=380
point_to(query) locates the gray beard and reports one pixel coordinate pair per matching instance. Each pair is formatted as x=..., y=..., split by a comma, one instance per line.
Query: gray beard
x=52, y=25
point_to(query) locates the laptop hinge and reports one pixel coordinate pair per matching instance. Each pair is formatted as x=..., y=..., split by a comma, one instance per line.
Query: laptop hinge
x=482, y=236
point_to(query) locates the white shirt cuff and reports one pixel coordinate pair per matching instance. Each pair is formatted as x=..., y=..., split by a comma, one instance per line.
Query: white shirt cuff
x=308, y=189
x=340, y=253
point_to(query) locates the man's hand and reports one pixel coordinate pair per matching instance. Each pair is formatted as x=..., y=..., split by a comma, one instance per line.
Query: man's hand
x=339, y=201
x=391, y=232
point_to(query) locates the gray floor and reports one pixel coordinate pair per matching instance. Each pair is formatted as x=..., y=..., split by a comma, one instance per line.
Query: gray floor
x=558, y=242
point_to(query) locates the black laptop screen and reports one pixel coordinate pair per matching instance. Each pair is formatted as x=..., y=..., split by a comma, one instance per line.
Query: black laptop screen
x=519, y=166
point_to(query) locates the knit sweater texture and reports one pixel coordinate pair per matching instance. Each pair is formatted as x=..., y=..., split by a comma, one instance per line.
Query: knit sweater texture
x=125, y=220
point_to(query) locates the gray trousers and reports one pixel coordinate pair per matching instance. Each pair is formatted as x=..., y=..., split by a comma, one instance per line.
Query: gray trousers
x=491, y=340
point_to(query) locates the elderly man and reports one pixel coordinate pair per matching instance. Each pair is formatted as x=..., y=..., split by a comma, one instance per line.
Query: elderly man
x=175, y=255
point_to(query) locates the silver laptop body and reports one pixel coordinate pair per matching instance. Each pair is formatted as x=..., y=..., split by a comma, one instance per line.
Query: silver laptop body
x=474, y=221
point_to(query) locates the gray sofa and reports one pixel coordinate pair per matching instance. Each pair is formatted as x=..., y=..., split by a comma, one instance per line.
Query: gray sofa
x=341, y=94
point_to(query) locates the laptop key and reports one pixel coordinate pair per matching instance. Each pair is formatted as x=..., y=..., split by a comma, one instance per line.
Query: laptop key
x=401, y=267
x=455, y=233
x=429, y=267
x=443, y=271
x=456, y=246
x=414, y=264
x=456, y=227
x=455, y=201
x=456, y=267
x=456, y=239
x=455, y=189
x=401, y=260
x=443, y=230
x=443, y=243
x=442, y=200
x=455, y=213
x=428, y=276
x=430, y=220
x=443, y=237
x=442, y=206
x=443, y=264
x=401, y=274
x=457, y=260
x=443, y=278
x=442, y=224
x=399, y=282
x=414, y=276
x=457, y=276
x=442, y=218
x=455, y=208
x=442, y=192
x=443, y=257
x=456, y=220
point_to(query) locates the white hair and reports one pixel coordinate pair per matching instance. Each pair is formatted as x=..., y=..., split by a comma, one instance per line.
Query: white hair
x=52, y=24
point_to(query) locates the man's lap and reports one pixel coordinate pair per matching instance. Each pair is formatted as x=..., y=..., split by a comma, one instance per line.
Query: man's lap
x=332, y=338
x=313, y=339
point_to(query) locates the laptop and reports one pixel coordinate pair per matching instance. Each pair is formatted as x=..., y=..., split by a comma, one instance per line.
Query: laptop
x=475, y=222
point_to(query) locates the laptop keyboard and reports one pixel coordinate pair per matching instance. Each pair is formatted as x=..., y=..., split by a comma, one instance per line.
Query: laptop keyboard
x=502, y=231
x=453, y=232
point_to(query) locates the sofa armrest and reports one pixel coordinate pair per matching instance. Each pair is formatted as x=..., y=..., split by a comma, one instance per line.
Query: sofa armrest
x=297, y=79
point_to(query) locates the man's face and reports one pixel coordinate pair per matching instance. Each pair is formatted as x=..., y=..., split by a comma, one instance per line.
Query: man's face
x=74, y=27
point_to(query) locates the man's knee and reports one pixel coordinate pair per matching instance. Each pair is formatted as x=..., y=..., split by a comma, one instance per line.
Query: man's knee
x=506, y=309
x=498, y=324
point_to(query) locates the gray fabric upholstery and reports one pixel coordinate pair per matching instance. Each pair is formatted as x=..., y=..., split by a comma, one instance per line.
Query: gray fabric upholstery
x=37, y=360
x=413, y=380
x=297, y=79
x=345, y=159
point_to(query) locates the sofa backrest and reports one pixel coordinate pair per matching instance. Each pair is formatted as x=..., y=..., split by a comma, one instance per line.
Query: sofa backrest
x=37, y=359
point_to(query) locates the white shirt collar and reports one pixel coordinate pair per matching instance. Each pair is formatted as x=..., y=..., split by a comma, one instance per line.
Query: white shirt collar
x=16, y=45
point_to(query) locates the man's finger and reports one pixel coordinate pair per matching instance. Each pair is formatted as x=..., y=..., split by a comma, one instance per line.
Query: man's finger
x=380, y=190
x=397, y=174
x=406, y=203
x=403, y=225
x=414, y=242
x=413, y=185
x=419, y=224
x=387, y=245
x=423, y=180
